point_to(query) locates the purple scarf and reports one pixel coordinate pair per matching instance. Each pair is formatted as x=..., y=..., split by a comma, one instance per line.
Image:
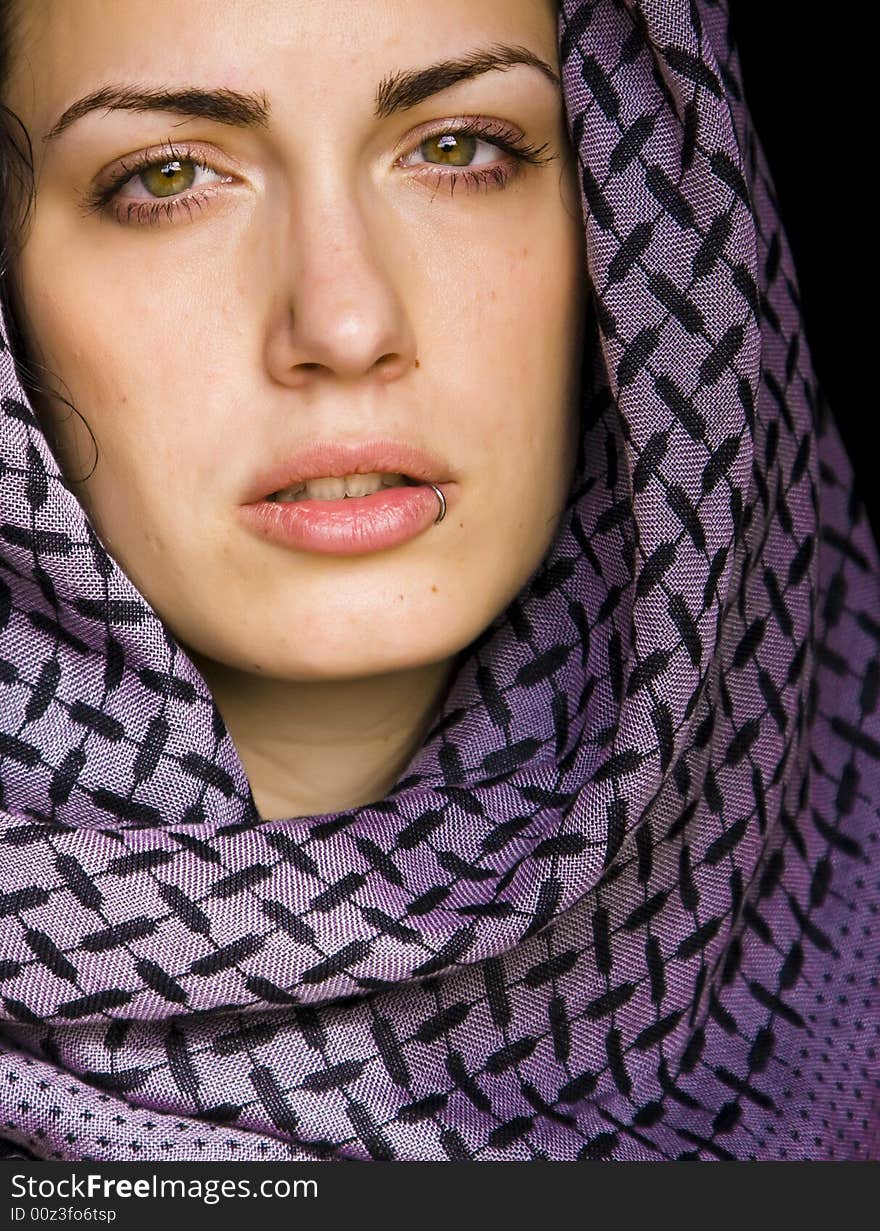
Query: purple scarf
x=621, y=904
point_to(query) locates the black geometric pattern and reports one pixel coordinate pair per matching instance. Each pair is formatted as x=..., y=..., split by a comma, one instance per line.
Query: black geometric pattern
x=623, y=903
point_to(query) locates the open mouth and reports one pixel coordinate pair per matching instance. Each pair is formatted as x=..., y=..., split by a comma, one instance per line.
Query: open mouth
x=352, y=514
x=341, y=488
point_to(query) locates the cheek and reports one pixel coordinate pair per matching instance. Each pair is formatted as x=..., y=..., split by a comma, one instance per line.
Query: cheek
x=137, y=366
x=512, y=355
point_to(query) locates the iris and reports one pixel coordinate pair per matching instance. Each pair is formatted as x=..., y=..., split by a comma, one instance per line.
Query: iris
x=167, y=178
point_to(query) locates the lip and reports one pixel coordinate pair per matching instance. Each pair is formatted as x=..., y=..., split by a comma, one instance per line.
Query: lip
x=334, y=459
x=356, y=525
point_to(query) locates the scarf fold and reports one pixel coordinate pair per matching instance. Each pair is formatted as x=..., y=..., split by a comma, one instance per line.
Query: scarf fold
x=623, y=901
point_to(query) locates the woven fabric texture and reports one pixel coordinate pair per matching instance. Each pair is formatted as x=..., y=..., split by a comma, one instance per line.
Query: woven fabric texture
x=623, y=902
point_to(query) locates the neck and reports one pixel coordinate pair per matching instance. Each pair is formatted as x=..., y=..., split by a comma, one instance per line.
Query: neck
x=317, y=746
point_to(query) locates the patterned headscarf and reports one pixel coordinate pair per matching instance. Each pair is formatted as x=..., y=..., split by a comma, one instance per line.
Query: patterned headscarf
x=623, y=902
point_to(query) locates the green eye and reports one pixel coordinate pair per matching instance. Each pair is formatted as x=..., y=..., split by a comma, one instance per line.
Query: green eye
x=453, y=149
x=168, y=178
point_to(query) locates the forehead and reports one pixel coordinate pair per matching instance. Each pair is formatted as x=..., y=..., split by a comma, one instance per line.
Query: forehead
x=338, y=47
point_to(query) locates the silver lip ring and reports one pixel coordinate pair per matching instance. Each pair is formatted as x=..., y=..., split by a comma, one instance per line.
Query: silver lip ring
x=442, y=500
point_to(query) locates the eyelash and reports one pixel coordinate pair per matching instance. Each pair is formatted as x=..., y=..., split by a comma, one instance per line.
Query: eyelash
x=143, y=212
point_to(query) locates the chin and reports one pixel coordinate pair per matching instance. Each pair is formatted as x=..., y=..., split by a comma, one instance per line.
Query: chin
x=300, y=634
x=316, y=658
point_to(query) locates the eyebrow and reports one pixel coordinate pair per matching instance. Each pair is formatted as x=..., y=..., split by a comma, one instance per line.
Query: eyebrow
x=406, y=89
x=396, y=92
x=224, y=106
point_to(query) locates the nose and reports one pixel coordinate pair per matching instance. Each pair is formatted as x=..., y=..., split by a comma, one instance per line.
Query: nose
x=339, y=305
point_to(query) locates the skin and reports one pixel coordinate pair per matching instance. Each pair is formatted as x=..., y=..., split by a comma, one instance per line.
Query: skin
x=325, y=291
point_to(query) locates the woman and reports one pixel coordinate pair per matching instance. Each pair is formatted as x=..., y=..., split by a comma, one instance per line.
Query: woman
x=440, y=652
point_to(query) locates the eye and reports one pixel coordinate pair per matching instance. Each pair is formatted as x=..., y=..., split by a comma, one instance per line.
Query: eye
x=480, y=153
x=456, y=149
x=168, y=178
x=156, y=185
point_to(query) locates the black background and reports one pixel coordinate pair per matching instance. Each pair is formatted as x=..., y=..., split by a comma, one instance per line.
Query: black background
x=805, y=70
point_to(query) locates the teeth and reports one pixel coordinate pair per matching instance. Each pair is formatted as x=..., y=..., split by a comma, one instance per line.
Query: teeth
x=337, y=489
x=361, y=484
x=324, y=489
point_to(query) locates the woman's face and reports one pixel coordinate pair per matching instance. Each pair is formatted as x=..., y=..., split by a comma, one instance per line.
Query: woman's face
x=323, y=260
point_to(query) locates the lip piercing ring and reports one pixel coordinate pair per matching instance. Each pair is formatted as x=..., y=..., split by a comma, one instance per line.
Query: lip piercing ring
x=442, y=499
